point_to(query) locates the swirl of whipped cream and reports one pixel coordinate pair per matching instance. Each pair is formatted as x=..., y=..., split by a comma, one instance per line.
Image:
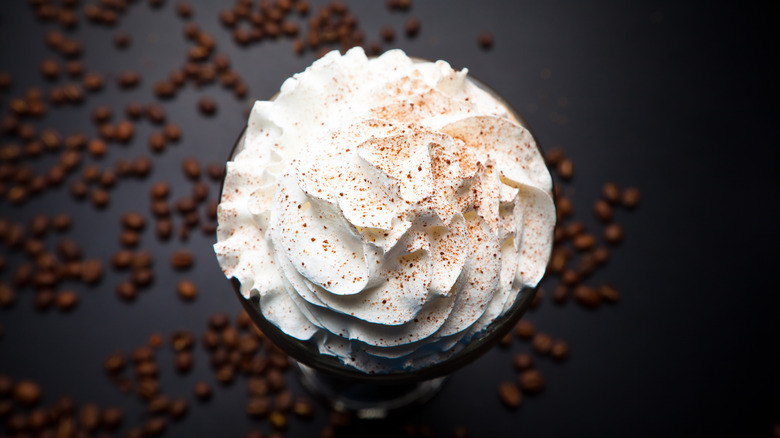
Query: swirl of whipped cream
x=386, y=209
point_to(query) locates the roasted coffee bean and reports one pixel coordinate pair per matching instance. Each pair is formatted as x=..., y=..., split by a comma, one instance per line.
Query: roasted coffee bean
x=128, y=79
x=207, y=105
x=630, y=197
x=531, y=381
x=112, y=418
x=601, y=255
x=91, y=271
x=100, y=198
x=107, y=179
x=164, y=229
x=303, y=408
x=510, y=394
x=564, y=207
x=89, y=417
x=186, y=205
x=91, y=81
x=611, y=193
x=609, y=293
x=191, y=168
x=525, y=329
x=183, y=9
x=133, y=221
x=164, y=89
x=142, y=277
x=142, y=354
x=50, y=68
x=172, y=132
x=133, y=111
x=566, y=169
x=278, y=420
x=142, y=259
x=182, y=259
x=283, y=402
x=155, y=426
x=587, y=296
x=126, y=291
x=613, y=234
x=485, y=40
x=186, y=290
x=523, y=361
x=542, y=343
x=155, y=113
x=216, y=171
x=7, y=296
x=202, y=391
x=178, y=409
x=158, y=405
x=276, y=381
x=66, y=300
x=124, y=131
x=584, y=242
x=27, y=393
x=200, y=191
x=412, y=27
x=160, y=190
x=122, y=259
x=258, y=406
x=226, y=374
x=559, y=350
x=182, y=340
x=121, y=40
x=603, y=210
x=183, y=362
x=114, y=364
x=560, y=294
x=219, y=321
x=142, y=166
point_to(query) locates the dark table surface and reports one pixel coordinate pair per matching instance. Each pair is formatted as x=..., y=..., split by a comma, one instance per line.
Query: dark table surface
x=675, y=98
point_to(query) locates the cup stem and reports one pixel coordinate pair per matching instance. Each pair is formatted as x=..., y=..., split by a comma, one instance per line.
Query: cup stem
x=367, y=400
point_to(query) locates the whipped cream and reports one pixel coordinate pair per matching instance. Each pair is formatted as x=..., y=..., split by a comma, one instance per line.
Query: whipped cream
x=387, y=210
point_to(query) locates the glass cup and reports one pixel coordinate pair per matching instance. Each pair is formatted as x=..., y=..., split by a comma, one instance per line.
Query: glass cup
x=378, y=395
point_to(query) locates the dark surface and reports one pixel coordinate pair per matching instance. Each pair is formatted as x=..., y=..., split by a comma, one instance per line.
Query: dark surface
x=676, y=99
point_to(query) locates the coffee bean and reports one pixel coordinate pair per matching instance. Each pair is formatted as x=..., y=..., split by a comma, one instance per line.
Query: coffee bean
x=613, y=234
x=142, y=259
x=510, y=394
x=258, y=407
x=142, y=277
x=226, y=374
x=566, y=169
x=191, y=168
x=66, y=300
x=207, y=106
x=99, y=198
x=129, y=238
x=89, y=416
x=525, y=329
x=611, y=193
x=133, y=111
x=202, y=391
x=133, y=221
x=186, y=205
x=158, y=405
x=155, y=113
x=164, y=229
x=112, y=418
x=128, y=79
x=142, y=354
x=114, y=364
x=50, y=68
x=142, y=166
x=564, y=207
x=7, y=296
x=182, y=259
x=485, y=40
x=609, y=293
x=91, y=271
x=559, y=350
x=630, y=197
x=276, y=380
x=531, y=381
x=184, y=9
x=523, y=361
x=603, y=210
x=122, y=259
x=303, y=408
x=172, y=132
x=164, y=89
x=601, y=255
x=187, y=290
x=121, y=40
x=228, y=18
x=183, y=362
x=542, y=343
x=107, y=179
x=155, y=426
x=91, y=81
x=178, y=409
x=160, y=190
x=27, y=393
x=584, y=242
x=560, y=294
x=587, y=296
x=412, y=27
x=219, y=321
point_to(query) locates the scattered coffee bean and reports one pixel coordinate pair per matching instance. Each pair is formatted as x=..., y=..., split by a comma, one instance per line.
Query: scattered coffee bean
x=609, y=293
x=182, y=259
x=66, y=300
x=613, y=234
x=187, y=290
x=183, y=362
x=412, y=27
x=202, y=391
x=485, y=40
x=587, y=296
x=191, y=168
x=542, y=343
x=603, y=210
x=523, y=361
x=178, y=409
x=133, y=221
x=559, y=350
x=525, y=329
x=531, y=381
x=566, y=169
x=611, y=193
x=510, y=394
x=207, y=106
x=27, y=393
x=630, y=197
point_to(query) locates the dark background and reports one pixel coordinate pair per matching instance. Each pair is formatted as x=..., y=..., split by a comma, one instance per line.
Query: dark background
x=677, y=99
